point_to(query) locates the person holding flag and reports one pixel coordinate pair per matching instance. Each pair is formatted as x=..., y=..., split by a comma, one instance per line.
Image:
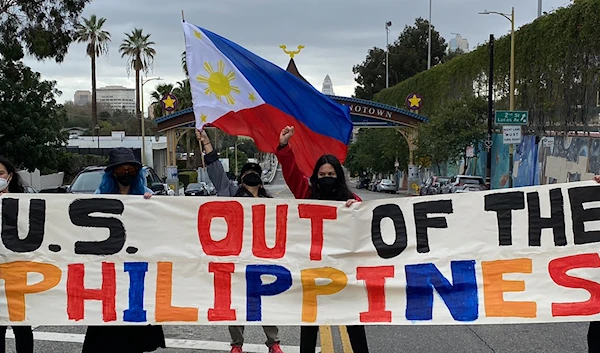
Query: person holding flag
x=327, y=182
x=251, y=185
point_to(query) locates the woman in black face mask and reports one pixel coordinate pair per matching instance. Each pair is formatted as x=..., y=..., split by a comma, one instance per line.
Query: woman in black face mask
x=327, y=182
x=251, y=185
x=123, y=176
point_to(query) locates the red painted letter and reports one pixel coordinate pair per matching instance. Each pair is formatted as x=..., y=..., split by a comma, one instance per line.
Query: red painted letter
x=317, y=214
x=77, y=294
x=222, y=310
x=558, y=269
x=259, y=241
x=374, y=278
x=233, y=213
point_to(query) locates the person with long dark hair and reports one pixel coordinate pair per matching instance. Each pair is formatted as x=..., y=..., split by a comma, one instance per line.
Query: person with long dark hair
x=250, y=185
x=10, y=182
x=327, y=182
x=123, y=176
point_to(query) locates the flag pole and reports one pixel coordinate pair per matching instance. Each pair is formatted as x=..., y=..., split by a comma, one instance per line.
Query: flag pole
x=182, y=16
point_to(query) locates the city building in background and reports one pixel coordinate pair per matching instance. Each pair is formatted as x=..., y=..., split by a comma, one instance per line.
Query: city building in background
x=459, y=42
x=82, y=97
x=117, y=97
x=327, y=86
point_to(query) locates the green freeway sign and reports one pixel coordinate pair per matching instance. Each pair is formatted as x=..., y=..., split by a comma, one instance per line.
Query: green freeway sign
x=511, y=118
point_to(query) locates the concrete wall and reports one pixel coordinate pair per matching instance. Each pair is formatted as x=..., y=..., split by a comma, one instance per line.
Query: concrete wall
x=38, y=181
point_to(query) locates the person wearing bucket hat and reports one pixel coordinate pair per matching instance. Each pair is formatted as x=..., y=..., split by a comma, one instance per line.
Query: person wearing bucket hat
x=123, y=176
x=251, y=185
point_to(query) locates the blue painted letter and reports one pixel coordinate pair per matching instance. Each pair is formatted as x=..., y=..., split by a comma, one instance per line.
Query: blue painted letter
x=460, y=297
x=137, y=274
x=255, y=288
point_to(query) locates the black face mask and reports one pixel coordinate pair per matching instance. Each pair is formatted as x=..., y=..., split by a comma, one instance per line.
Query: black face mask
x=125, y=180
x=328, y=186
x=252, y=180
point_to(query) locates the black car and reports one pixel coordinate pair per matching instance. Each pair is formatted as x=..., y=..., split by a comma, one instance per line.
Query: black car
x=197, y=189
x=89, y=179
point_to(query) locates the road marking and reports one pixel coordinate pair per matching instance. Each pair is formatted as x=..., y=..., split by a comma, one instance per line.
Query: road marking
x=345, y=340
x=326, y=339
x=171, y=343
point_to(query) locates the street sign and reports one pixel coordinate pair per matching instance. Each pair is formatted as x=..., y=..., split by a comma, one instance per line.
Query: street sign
x=511, y=118
x=511, y=135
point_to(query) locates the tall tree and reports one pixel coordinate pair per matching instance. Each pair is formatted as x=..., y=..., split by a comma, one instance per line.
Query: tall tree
x=407, y=57
x=90, y=31
x=42, y=28
x=138, y=48
x=31, y=120
x=452, y=128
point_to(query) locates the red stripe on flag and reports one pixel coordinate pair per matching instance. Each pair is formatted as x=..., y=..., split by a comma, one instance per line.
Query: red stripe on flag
x=264, y=123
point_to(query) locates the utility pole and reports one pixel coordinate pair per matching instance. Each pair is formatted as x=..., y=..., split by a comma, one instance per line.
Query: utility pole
x=429, y=44
x=488, y=142
x=388, y=24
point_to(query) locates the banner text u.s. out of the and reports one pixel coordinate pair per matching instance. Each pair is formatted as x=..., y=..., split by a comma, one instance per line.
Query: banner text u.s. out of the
x=526, y=255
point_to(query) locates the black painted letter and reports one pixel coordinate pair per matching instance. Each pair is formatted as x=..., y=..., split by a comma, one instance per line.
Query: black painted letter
x=577, y=197
x=393, y=212
x=422, y=222
x=10, y=232
x=504, y=203
x=556, y=221
x=79, y=212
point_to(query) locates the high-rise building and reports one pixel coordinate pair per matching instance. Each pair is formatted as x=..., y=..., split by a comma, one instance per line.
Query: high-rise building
x=327, y=86
x=117, y=97
x=82, y=97
x=459, y=42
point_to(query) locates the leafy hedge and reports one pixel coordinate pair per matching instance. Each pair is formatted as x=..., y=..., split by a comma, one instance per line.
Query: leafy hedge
x=557, y=62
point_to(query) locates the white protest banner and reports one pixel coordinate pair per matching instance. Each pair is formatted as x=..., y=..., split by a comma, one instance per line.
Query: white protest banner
x=526, y=255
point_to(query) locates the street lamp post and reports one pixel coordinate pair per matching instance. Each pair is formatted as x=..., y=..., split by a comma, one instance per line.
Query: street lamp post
x=429, y=44
x=388, y=24
x=511, y=18
x=144, y=118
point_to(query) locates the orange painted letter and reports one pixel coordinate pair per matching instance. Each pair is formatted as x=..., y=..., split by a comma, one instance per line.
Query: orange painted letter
x=14, y=275
x=310, y=289
x=164, y=293
x=494, y=287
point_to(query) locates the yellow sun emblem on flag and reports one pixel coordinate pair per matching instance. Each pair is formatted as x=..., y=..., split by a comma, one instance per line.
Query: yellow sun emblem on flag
x=219, y=83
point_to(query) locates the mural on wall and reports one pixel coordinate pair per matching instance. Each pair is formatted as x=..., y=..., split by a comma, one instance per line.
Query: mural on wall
x=524, y=162
x=500, y=169
x=567, y=160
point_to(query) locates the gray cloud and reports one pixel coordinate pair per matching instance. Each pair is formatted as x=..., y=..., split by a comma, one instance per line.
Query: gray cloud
x=337, y=33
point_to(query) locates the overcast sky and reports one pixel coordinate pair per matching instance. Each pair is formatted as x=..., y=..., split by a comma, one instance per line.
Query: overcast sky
x=337, y=33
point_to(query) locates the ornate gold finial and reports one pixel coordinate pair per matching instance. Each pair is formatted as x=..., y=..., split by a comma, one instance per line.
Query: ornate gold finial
x=292, y=53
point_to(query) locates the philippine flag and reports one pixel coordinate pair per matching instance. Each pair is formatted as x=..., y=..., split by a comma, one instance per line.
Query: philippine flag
x=243, y=94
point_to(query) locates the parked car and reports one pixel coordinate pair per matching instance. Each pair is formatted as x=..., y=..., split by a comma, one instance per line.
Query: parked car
x=433, y=185
x=89, y=179
x=363, y=183
x=197, y=189
x=466, y=183
x=373, y=185
x=386, y=185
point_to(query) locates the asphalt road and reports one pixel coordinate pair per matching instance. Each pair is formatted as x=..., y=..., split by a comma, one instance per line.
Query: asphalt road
x=546, y=338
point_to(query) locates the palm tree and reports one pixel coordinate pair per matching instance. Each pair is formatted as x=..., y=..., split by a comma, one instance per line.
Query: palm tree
x=184, y=63
x=97, y=39
x=160, y=91
x=183, y=92
x=138, y=48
